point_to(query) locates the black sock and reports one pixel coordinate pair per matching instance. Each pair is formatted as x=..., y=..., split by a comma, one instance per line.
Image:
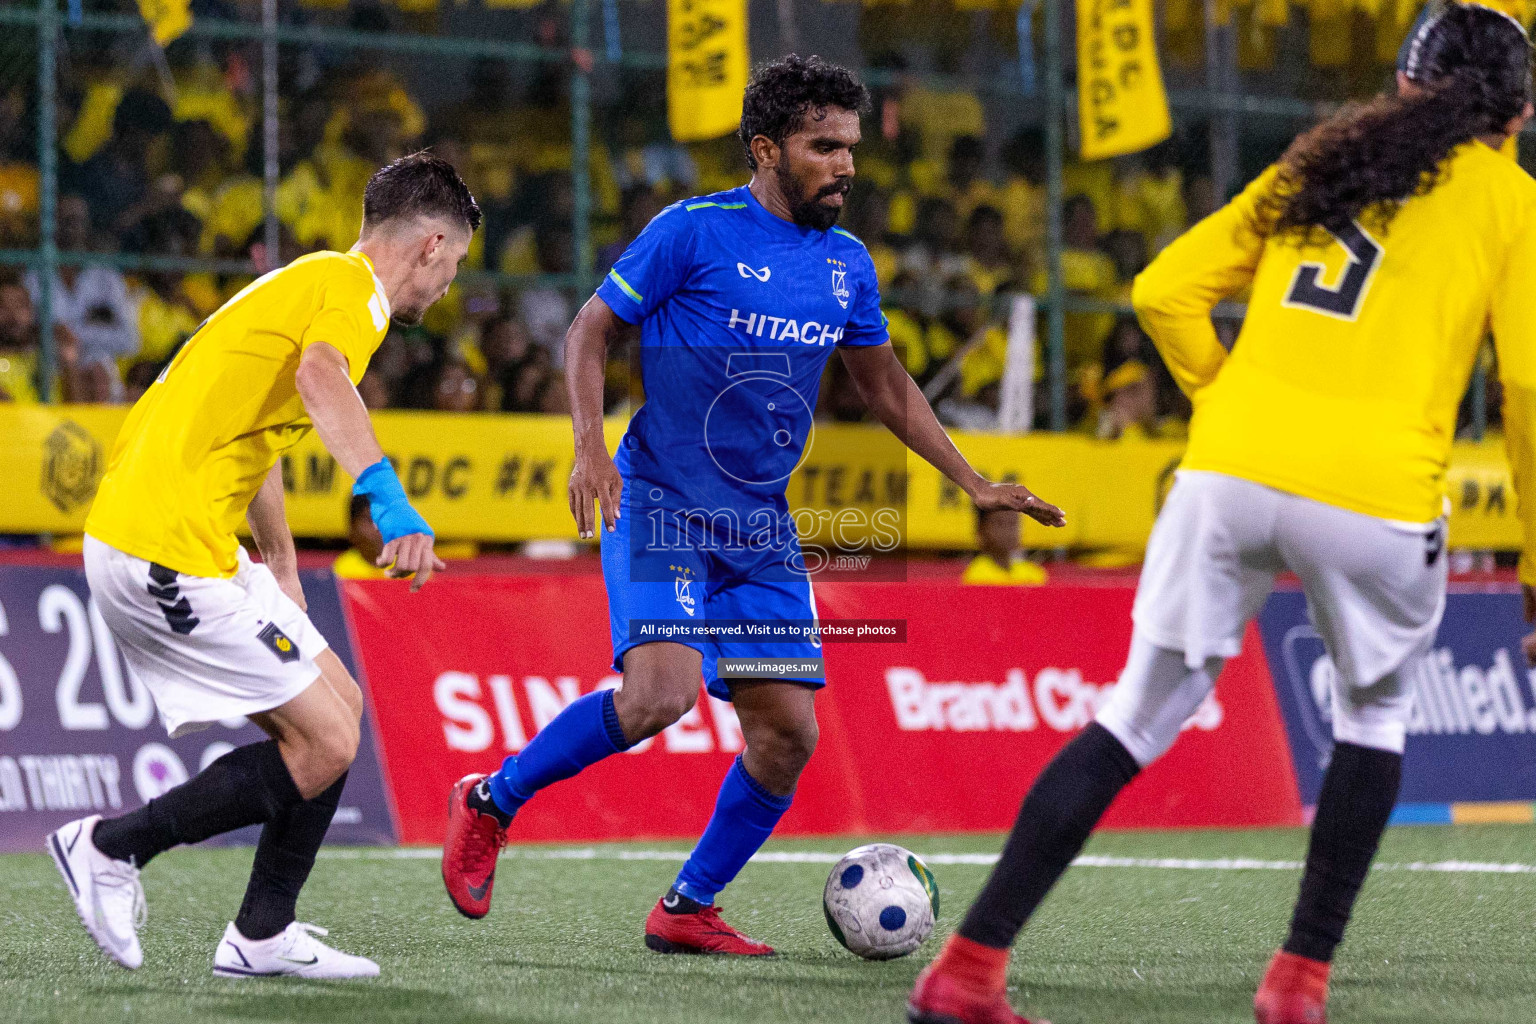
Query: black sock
x=1359, y=790
x=246, y=786
x=284, y=857
x=480, y=800
x=1062, y=808
x=676, y=903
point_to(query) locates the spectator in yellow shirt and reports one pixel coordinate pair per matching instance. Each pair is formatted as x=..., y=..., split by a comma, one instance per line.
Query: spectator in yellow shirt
x=19, y=354
x=1022, y=198
x=988, y=261
x=1001, y=562
x=18, y=175
x=965, y=186
x=1090, y=273
x=869, y=217
x=358, y=561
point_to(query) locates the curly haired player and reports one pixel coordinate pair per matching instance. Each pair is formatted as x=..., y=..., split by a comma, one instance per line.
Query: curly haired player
x=1379, y=251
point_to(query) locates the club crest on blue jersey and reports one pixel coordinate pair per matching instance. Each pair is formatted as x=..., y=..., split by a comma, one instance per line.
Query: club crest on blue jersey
x=682, y=587
x=840, y=290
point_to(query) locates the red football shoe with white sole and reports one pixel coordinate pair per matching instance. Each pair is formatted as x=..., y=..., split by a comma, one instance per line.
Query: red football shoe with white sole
x=1294, y=991
x=701, y=932
x=939, y=998
x=470, y=849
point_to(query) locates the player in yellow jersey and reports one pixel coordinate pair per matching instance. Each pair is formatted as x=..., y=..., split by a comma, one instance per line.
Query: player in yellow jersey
x=213, y=635
x=1380, y=250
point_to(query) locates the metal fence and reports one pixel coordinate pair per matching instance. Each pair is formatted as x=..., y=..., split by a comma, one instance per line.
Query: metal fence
x=603, y=76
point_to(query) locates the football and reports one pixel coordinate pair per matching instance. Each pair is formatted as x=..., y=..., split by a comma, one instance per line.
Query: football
x=881, y=902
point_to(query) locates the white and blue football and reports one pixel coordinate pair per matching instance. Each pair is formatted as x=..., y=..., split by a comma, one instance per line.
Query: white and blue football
x=881, y=902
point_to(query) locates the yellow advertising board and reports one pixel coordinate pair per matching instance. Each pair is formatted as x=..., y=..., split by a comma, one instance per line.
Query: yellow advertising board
x=503, y=478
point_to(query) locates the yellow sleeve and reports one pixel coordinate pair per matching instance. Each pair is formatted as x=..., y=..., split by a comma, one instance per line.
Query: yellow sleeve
x=1175, y=295
x=349, y=317
x=1514, y=335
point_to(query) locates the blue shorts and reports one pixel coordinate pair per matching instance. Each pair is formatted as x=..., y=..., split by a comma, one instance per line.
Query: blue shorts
x=692, y=583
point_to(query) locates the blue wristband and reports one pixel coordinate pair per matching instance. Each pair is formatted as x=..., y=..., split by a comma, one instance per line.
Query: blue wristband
x=387, y=503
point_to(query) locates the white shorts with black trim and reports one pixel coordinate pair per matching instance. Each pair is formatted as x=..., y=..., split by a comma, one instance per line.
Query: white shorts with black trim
x=1375, y=587
x=207, y=649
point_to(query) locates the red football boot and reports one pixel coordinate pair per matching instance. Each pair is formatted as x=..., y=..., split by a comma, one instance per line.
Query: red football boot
x=940, y=998
x=703, y=932
x=469, y=851
x=1294, y=991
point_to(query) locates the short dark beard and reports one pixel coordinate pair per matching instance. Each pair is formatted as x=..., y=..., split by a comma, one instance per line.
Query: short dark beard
x=807, y=211
x=406, y=317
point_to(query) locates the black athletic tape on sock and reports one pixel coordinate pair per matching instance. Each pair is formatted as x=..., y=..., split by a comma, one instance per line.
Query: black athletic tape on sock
x=1359, y=790
x=1057, y=816
x=247, y=786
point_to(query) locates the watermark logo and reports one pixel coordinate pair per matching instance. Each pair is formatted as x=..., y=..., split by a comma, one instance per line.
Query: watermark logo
x=758, y=428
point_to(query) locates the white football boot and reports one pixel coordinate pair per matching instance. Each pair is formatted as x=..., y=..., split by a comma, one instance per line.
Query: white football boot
x=107, y=892
x=293, y=951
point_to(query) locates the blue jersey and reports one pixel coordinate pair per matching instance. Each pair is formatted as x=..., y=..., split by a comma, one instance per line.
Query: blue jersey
x=740, y=312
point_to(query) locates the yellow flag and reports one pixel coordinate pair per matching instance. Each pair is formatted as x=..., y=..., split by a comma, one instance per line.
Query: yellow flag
x=1120, y=98
x=167, y=19
x=706, y=67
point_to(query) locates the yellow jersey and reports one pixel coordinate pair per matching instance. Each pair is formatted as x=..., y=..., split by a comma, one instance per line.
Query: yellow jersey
x=195, y=449
x=352, y=565
x=1345, y=380
x=986, y=572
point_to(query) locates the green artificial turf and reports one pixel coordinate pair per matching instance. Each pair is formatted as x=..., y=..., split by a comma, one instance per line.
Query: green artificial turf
x=563, y=942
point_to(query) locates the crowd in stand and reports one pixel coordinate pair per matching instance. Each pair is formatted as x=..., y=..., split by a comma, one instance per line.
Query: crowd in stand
x=168, y=164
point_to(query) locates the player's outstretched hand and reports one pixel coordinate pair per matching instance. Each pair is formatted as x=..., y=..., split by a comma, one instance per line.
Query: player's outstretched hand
x=594, y=478
x=411, y=555
x=1019, y=498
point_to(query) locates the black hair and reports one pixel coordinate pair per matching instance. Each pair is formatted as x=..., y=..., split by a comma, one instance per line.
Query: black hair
x=966, y=147
x=984, y=212
x=420, y=183
x=783, y=92
x=142, y=110
x=1472, y=69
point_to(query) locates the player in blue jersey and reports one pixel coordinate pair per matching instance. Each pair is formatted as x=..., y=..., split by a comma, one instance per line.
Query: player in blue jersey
x=741, y=298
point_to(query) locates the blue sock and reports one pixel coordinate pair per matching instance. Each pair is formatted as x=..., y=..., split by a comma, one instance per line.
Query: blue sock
x=744, y=818
x=584, y=733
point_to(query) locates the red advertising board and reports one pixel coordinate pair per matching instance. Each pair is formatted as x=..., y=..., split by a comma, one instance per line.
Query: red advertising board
x=941, y=732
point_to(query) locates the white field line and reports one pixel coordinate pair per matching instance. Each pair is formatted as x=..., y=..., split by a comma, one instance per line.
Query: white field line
x=1459, y=867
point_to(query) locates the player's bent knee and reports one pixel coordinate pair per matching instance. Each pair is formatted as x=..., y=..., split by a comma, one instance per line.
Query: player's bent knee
x=788, y=747
x=330, y=759
x=646, y=706
x=664, y=709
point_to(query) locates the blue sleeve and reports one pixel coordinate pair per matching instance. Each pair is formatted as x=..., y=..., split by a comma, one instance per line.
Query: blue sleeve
x=653, y=267
x=866, y=323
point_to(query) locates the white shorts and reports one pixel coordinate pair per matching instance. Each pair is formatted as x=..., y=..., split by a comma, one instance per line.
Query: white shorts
x=207, y=649
x=1375, y=587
